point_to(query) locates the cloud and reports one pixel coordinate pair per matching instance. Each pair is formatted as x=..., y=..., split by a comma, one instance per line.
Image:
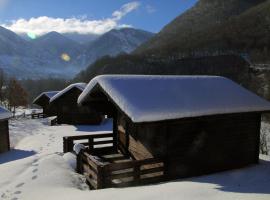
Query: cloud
x=125, y=9
x=44, y=24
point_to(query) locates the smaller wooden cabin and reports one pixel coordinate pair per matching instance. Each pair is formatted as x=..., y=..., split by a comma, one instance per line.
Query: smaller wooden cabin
x=64, y=103
x=43, y=100
x=4, y=130
x=168, y=127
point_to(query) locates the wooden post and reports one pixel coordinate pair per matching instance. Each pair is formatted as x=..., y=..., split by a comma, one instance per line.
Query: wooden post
x=115, y=131
x=69, y=145
x=137, y=174
x=91, y=144
x=64, y=144
x=100, y=178
x=79, y=163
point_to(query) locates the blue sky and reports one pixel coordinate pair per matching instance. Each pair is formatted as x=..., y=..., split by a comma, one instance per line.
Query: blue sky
x=88, y=16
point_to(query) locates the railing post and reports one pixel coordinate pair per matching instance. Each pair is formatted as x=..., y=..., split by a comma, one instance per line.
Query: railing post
x=91, y=144
x=68, y=146
x=100, y=177
x=137, y=173
x=79, y=163
x=115, y=131
x=64, y=145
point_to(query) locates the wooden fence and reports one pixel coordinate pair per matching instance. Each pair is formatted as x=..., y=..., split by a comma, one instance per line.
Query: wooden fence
x=101, y=172
x=130, y=173
x=38, y=115
x=92, y=142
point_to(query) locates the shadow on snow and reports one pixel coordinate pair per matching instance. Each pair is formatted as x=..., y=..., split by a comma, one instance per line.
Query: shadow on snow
x=15, y=154
x=254, y=179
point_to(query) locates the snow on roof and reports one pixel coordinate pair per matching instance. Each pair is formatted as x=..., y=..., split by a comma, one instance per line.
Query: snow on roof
x=156, y=98
x=4, y=113
x=80, y=86
x=48, y=94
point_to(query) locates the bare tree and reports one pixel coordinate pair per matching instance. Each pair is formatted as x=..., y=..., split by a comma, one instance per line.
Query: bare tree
x=16, y=95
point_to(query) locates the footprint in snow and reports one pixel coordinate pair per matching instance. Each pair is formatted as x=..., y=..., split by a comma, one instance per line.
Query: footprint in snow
x=35, y=170
x=20, y=185
x=34, y=177
x=18, y=192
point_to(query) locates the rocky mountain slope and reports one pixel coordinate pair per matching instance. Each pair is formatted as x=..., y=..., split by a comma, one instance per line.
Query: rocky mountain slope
x=214, y=25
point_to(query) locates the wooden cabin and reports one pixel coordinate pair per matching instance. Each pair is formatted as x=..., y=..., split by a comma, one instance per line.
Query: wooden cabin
x=67, y=110
x=168, y=127
x=4, y=130
x=43, y=101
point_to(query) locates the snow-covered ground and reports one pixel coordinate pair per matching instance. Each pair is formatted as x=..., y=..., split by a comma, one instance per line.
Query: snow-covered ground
x=36, y=169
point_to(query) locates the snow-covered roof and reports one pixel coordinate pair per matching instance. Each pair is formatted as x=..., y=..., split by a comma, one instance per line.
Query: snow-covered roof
x=156, y=98
x=80, y=86
x=48, y=94
x=4, y=113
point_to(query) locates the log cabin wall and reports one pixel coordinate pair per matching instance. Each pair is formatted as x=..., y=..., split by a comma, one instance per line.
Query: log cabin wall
x=198, y=146
x=68, y=111
x=4, y=136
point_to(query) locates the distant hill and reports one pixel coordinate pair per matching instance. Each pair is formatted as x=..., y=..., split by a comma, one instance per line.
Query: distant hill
x=215, y=25
x=113, y=43
x=12, y=44
x=42, y=57
x=56, y=44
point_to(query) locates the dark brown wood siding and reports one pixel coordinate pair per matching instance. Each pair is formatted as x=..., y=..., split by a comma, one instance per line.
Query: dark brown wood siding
x=4, y=136
x=199, y=145
x=68, y=111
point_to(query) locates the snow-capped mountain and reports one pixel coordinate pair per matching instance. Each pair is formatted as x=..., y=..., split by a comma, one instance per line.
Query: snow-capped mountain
x=56, y=55
x=113, y=43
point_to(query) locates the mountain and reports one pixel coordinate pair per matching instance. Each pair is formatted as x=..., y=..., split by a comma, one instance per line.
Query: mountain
x=81, y=38
x=56, y=55
x=11, y=44
x=113, y=43
x=213, y=37
x=56, y=44
x=211, y=25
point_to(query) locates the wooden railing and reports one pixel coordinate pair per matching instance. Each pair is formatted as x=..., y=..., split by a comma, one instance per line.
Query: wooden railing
x=38, y=115
x=134, y=172
x=102, y=172
x=93, y=142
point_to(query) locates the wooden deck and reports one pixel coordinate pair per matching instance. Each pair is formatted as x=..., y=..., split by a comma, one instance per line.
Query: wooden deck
x=105, y=166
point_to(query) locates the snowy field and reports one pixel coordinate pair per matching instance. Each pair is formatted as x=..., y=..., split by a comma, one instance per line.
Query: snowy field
x=36, y=169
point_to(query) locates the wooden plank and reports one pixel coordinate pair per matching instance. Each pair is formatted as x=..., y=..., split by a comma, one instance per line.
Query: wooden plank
x=152, y=170
x=89, y=171
x=91, y=182
x=95, y=161
x=91, y=162
x=80, y=137
x=103, y=142
x=131, y=164
x=120, y=175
